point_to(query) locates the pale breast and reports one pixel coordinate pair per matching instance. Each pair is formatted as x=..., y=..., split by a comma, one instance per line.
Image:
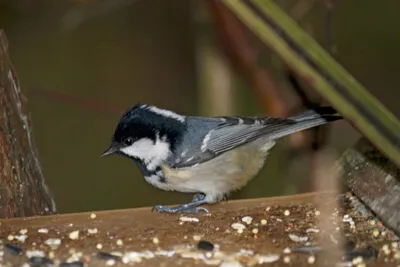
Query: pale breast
x=221, y=175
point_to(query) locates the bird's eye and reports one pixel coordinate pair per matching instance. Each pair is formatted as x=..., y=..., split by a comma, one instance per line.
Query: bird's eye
x=128, y=141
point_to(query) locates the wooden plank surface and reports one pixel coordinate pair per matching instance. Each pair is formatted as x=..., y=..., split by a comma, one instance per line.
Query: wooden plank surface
x=145, y=238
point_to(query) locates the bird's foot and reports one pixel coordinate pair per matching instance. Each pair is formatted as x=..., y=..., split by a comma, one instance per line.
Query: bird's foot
x=179, y=209
x=192, y=207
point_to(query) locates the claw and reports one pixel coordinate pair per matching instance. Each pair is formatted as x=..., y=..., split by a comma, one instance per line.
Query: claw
x=202, y=209
x=192, y=207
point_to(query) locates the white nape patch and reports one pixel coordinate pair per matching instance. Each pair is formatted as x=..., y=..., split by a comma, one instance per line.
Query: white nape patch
x=151, y=153
x=183, y=154
x=167, y=113
x=205, y=141
x=241, y=120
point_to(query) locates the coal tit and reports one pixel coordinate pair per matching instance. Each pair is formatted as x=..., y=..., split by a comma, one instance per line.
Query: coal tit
x=209, y=156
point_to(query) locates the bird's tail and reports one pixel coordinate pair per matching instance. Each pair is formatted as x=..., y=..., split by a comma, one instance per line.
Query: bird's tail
x=328, y=113
x=308, y=119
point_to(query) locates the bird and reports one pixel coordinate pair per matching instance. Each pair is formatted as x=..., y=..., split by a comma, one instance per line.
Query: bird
x=207, y=156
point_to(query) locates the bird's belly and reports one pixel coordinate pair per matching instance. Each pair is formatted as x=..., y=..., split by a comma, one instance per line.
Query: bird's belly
x=221, y=175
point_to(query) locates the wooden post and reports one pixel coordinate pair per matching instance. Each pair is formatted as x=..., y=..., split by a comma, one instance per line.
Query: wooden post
x=23, y=191
x=375, y=180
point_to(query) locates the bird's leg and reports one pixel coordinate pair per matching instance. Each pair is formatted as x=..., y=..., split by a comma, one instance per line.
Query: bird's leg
x=192, y=207
x=198, y=197
x=225, y=197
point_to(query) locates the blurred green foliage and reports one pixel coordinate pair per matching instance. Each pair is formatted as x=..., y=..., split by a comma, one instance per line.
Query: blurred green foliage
x=308, y=59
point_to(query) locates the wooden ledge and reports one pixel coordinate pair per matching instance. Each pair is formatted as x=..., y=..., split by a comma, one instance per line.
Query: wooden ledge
x=139, y=235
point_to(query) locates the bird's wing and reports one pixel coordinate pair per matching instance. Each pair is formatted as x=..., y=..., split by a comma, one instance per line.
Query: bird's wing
x=231, y=133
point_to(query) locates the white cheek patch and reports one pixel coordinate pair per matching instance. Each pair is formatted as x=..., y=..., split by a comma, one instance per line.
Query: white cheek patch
x=140, y=149
x=152, y=154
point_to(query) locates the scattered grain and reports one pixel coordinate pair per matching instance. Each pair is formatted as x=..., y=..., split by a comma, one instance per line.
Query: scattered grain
x=23, y=231
x=247, y=219
x=188, y=219
x=74, y=235
x=311, y=259
x=286, y=259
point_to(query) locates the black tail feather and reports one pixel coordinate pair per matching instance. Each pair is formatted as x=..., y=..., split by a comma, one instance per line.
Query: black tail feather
x=325, y=112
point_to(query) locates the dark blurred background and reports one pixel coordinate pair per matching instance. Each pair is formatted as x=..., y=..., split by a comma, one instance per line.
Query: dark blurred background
x=81, y=63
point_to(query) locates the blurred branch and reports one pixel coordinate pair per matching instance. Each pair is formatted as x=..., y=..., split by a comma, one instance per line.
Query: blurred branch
x=244, y=58
x=322, y=72
x=89, y=103
x=215, y=79
x=317, y=135
x=330, y=46
x=301, y=8
x=23, y=189
x=86, y=10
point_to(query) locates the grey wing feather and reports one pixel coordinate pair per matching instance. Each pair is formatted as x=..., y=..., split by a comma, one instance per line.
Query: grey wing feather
x=228, y=135
x=236, y=131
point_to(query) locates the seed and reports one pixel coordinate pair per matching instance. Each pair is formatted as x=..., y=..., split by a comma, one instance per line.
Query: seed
x=196, y=238
x=188, y=219
x=107, y=256
x=40, y=261
x=23, y=231
x=238, y=226
x=205, y=245
x=72, y=264
x=13, y=249
x=74, y=235
x=92, y=231
x=247, y=219
x=311, y=259
x=110, y=262
x=375, y=232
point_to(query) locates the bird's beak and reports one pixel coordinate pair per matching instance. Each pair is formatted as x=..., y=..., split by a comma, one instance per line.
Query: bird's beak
x=111, y=150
